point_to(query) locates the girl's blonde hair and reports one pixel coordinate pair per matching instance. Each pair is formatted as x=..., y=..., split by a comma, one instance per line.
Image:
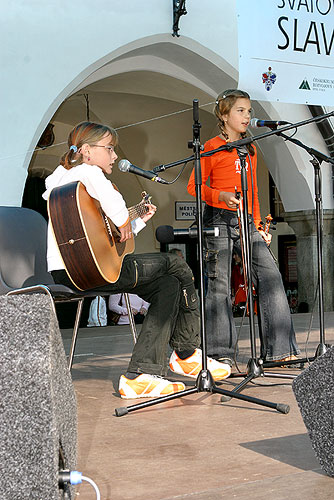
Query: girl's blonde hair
x=224, y=103
x=85, y=132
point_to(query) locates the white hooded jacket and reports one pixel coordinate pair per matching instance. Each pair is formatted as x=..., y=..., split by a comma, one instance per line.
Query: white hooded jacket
x=97, y=186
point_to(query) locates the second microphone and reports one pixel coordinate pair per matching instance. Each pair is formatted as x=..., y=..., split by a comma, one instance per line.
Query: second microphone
x=126, y=166
x=167, y=234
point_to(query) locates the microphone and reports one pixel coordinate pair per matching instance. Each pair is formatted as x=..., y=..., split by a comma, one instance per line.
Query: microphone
x=167, y=234
x=126, y=166
x=255, y=122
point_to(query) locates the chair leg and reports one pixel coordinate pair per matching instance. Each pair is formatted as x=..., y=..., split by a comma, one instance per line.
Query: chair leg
x=131, y=318
x=75, y=333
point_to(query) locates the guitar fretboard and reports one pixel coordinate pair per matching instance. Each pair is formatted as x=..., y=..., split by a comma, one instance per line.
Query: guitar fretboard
x=137, y=210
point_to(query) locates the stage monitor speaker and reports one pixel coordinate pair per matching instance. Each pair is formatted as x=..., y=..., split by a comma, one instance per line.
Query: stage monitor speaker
x=38, y=415
x=314, y=392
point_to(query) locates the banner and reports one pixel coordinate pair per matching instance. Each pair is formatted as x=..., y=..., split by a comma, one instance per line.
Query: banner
x=286, y=50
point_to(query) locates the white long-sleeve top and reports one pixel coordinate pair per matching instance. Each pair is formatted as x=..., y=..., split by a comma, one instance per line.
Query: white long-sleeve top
x=136, y=303
x=97, y=186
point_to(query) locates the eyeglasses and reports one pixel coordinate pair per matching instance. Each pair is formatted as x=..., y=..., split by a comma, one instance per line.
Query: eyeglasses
x=111, y=149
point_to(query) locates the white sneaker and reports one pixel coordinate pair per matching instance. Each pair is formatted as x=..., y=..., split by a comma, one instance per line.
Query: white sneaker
x=190, y=367
x=147, y=386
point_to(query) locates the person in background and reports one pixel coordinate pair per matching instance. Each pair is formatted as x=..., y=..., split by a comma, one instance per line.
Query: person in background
x=176, y=251
x=139, y=306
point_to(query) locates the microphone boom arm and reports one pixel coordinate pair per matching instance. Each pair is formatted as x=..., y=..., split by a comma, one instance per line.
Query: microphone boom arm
x=248, y=140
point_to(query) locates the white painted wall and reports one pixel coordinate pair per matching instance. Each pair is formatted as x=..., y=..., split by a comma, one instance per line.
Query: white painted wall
x=52, y=49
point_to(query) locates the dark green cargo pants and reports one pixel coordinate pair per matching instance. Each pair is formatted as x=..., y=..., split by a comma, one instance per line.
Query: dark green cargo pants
x=167, y=282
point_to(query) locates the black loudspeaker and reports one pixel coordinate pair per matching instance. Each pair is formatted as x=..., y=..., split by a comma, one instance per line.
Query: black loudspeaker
x=314, y=392
x=38, y=415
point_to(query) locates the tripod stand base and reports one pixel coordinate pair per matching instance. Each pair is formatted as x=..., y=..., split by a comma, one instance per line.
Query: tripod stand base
x=204, y=383
x=321, y=349
x=255, y=370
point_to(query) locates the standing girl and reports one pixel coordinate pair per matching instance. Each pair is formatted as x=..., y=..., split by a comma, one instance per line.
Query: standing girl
x=278, y=342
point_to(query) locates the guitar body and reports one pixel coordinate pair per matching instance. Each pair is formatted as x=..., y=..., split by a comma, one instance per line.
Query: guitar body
x=87, y=240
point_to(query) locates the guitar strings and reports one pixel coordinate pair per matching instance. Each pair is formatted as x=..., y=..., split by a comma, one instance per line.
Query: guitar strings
x=139, y=209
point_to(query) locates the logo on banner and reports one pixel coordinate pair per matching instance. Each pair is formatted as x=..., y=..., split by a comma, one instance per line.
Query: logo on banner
x=297, y=37
x=268, y=78
x=305, y=85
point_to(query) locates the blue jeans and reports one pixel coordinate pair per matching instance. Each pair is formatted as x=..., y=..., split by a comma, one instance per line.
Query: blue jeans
x=276, y=331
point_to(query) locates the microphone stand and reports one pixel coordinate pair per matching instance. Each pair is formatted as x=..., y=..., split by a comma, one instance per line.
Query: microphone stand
x=255, y=365
x=253, y=369
x=204, y=381
x=317, y=157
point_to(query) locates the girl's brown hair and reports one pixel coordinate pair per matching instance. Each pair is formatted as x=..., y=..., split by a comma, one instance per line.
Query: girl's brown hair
x=85, y=132
x=224, y=103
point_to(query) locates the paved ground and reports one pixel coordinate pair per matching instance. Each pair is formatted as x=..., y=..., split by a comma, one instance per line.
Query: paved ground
x=194, y=447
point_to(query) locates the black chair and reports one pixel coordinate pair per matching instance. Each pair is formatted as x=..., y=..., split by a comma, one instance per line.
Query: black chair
x=23, y=268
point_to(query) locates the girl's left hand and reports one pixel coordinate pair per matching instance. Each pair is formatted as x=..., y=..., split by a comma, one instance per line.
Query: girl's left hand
x=267, y=237
x=151, y=209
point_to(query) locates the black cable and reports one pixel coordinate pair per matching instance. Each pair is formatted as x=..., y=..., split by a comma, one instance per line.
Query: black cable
x=178, y=175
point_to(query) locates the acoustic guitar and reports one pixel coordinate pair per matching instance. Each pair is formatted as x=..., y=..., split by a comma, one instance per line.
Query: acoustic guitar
x=87, y=239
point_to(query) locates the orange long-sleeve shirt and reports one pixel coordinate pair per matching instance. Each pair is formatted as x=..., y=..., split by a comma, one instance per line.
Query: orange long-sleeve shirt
x=223, y=170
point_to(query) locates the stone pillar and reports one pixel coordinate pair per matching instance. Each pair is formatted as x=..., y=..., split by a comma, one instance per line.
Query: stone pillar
x=303, y=223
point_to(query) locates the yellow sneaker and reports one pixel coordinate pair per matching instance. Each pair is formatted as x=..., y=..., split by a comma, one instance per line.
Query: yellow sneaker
x=147, y=386
x=190, y=367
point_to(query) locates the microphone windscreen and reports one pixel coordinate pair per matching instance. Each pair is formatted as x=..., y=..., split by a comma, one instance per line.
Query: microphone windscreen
x=124, y=165
x=164, y=234
x=253, y=122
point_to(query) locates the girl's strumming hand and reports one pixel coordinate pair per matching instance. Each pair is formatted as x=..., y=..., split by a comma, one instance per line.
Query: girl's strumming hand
x=126, y=232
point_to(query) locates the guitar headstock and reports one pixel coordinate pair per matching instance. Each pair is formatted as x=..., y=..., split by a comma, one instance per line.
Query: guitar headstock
x=269, y=219
x=265, y=227
x=146, y=198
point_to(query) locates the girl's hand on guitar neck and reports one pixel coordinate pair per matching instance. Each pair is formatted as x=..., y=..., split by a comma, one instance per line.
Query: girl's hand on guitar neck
x=266, y=236
x=126, y=231
x=151, y=209
x=264, y=229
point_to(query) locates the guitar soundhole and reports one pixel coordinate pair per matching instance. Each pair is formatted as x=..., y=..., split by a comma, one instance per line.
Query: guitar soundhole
x=116, y=235
x=113, y=235
x=108, y=228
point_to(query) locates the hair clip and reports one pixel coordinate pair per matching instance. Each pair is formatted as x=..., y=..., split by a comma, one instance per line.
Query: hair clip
x=220, y=98
x=74, y=148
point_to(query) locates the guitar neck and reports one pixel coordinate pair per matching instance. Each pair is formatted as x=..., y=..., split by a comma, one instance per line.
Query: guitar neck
x=137, y=211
